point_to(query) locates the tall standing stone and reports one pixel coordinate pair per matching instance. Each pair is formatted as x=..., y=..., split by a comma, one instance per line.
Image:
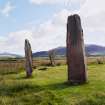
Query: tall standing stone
x=28, y=58
x=75, y=51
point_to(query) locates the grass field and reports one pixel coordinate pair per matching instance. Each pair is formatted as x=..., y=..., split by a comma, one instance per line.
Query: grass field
x=16, y=65
x=48, y=87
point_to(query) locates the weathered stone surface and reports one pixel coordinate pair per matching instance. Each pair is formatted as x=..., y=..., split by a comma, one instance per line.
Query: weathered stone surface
x=28, y=58
x=52, y=57
x=75, y=51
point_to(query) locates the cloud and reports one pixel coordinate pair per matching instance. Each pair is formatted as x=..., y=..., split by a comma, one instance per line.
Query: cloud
x=45, y=36
x=7, y=9
x=14, y=42
x=92, y=7
x=52, y=33
x=65, y=2
x=92, y=14
x=38, y=2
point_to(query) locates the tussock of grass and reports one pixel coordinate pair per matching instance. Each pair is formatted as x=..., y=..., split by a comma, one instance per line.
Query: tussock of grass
x=44, y=98
x=95, y=99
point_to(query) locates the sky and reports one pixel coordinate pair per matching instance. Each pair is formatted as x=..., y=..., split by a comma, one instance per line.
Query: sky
x=43, y=22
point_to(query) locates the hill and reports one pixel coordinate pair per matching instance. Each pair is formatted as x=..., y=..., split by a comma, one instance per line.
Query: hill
x=9, y=55
x=61, y=51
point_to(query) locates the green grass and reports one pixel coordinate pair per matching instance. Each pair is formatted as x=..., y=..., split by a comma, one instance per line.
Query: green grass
x=48, y=87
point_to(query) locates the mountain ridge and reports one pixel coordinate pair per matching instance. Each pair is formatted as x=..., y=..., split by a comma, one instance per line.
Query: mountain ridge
x=90, y=49
x=9, y=55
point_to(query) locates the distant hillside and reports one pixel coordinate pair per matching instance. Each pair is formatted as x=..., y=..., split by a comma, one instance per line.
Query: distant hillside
x=61, y=51
x=9, y=55
x=95, y=50
x=40, y=54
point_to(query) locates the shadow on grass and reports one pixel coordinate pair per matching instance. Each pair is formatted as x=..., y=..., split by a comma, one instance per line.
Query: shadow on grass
x=43, y=69
x=18, y=88
x=8, y=73
x=61, y=86
x=9, y=90
x=56, y=86
x=25, y=78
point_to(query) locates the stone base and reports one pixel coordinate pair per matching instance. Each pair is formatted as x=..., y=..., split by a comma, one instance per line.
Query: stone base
x=76, y=82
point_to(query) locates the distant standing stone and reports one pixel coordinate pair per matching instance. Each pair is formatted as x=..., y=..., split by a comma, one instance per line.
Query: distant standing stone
x=75, y=51
x=28, y=58
x=51, y=54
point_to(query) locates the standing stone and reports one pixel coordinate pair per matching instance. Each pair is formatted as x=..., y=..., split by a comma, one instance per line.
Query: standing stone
x=28, y=58
x=75, y=51
x=51, y=54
